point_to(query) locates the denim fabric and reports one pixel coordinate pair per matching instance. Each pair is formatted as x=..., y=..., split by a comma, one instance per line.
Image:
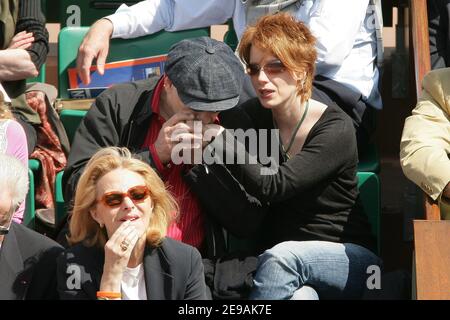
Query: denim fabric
x=331, y=270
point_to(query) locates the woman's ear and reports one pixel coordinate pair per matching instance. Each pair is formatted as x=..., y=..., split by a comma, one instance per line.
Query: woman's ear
x=300, y=76
x=167, y=82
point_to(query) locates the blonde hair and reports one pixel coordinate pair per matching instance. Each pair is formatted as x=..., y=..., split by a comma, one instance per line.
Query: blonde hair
x=5, y=113
x=289, y=40
x=83, y=228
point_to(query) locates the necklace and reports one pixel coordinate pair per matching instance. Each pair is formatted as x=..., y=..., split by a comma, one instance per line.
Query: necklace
x=294, y=133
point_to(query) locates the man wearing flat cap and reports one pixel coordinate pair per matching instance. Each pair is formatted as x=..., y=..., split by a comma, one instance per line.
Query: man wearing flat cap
x=202, y=78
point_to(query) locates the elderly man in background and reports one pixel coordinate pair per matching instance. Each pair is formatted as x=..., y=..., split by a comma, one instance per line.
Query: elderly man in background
x=27, y=258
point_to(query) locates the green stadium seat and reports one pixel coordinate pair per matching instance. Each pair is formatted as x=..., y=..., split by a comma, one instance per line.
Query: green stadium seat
x=230, y=37
x=369, y=160
x=60, y=205
x=40, y=77
x=71, y=120
x=370, y=194
x=30, y=212
x=34, y=166
x=120, y=49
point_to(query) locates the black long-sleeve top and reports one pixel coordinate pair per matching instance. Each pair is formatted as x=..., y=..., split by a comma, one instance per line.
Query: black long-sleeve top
x=32, y=20
x=313, y=195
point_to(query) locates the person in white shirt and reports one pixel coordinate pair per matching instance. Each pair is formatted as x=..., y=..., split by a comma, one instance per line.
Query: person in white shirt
x=347, y=41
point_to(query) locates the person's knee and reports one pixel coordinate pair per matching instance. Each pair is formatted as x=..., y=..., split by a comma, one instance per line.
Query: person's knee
x=289, y=255
x=305, y=293
x=281, y=251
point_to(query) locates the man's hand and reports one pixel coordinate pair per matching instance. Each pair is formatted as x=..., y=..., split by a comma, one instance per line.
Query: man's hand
x=210, y=132
x=172, y=132
x=22, y=40
x=95, y=45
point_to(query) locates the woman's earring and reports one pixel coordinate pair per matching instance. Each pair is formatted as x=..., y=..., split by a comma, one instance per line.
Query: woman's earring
x=101, y=225
x=302, y=83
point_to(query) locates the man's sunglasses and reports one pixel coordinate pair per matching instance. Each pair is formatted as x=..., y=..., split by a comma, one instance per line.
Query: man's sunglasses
x=272, y=67
x=115, y=198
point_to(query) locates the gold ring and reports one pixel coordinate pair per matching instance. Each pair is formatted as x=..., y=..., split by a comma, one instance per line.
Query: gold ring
x=124, y=245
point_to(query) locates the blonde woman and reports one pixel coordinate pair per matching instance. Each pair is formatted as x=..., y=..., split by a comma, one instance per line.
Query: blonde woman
x=120, y=217
x=13, y=142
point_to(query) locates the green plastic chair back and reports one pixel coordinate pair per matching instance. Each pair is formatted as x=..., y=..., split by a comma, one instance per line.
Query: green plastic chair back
x=29, y=216
x=230, y=37
x=60, y=205
x=40, y=77
x=71, y=119
x=370, y=195
x=30, y=208
x=120, y=49
x=369, y=161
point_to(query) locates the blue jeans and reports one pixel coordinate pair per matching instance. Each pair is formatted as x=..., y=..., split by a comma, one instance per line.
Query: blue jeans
x=312, y=270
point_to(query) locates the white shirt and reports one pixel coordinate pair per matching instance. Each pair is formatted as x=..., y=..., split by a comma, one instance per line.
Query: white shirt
x=345, y=32
x=133, y=284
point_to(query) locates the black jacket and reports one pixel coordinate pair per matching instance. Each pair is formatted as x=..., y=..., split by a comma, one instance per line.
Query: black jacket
x=28, y=265
x=173, y=271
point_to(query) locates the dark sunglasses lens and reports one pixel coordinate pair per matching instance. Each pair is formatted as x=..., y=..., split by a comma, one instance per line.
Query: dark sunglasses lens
x=252, y=69
x=113, y=199
x=274, y=67
x=138, y=193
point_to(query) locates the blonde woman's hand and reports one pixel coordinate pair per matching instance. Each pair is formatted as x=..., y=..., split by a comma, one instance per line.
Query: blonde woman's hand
x=118, y=250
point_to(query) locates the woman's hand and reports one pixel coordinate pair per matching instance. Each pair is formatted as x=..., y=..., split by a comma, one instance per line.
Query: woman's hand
x=118, y=250
x=22, y=40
